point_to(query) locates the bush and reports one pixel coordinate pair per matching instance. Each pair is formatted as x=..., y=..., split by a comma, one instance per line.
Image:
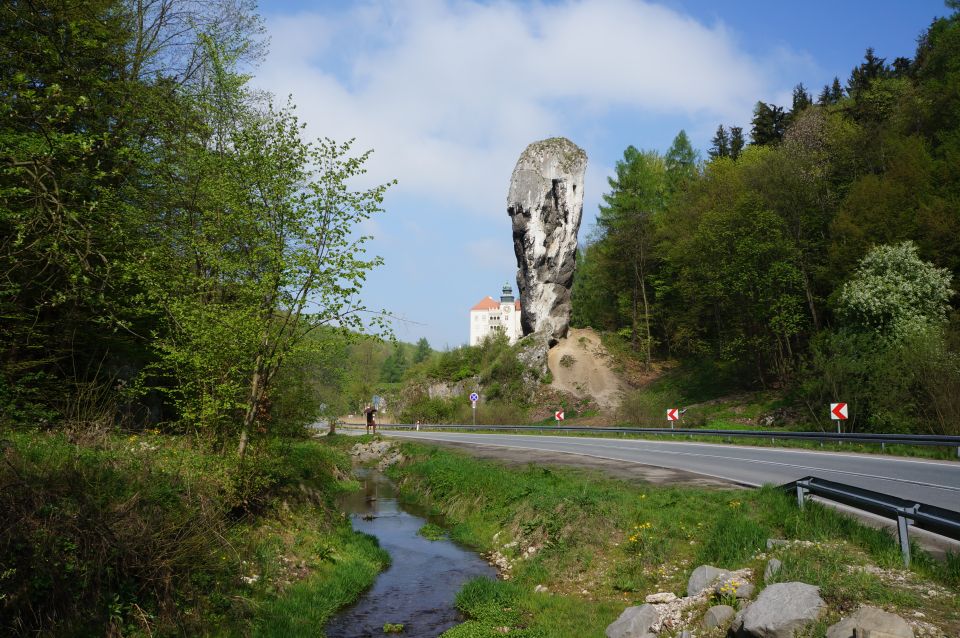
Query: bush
x=132, y=533
x=494, y=364
x=106, y=536
x=907, y=383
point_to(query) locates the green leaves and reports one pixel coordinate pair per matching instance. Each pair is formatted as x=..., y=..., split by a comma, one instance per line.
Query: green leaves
x=258, y=248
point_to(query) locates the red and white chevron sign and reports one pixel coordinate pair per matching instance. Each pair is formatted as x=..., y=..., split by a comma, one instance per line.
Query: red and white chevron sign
x=838, y=411
x=558, y=415
x=673, y=414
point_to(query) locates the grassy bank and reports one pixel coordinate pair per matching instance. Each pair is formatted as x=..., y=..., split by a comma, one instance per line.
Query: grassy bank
x=150, y=535
x=600, y=545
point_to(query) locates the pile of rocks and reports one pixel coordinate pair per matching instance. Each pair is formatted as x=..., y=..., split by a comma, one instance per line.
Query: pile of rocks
x=382, y=452
x=780, y=610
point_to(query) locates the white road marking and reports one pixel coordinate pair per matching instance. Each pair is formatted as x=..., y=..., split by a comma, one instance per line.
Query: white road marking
x=603, y=443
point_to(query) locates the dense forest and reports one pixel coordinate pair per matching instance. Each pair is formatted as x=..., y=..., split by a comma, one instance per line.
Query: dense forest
x=170, y=246
x=819, y=258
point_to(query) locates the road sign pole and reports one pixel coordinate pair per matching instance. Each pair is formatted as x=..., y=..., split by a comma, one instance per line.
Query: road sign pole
x=474, y=413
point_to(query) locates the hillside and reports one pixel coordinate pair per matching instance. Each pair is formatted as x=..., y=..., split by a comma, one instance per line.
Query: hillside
x=581, y=366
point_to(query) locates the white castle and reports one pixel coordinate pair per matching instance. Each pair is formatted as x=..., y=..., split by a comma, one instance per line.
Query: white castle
x=490, y=315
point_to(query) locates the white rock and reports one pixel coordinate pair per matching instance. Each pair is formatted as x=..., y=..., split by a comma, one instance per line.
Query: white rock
x=634, y=622
x=873, y=620
x=661, y=598
x=781, y=610
x=545, y=204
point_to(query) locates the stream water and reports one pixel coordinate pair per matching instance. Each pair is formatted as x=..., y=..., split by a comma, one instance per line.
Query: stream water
x=419, y=587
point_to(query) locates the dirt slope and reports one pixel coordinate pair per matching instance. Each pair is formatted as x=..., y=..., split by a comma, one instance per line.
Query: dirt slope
x=581, y=366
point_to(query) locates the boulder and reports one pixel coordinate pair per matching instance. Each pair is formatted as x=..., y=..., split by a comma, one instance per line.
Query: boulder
x=532, y=352
x=661, y=598
x=717, y=616
x=872, y=620
x=634, y=622
x=771, y=570
x=545, y=204
x=737, y=623
x=704, y=577
x=781, y=610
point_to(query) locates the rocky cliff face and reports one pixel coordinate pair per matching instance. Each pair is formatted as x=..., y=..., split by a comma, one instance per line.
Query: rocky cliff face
x=545, y=203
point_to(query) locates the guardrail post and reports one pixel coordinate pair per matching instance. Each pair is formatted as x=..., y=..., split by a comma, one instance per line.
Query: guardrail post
x=903, y=531
x=904, y=539
x=801, y=493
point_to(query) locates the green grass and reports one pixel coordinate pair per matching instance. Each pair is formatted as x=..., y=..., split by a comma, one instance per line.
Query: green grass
x=153, y=535
x=432, y=532
x=304, y=608
x=619, y=542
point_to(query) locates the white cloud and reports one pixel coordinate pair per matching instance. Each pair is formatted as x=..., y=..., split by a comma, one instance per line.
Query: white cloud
x=449, y=93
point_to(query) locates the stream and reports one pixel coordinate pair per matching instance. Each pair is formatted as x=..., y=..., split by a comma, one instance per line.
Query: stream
x=419, y=587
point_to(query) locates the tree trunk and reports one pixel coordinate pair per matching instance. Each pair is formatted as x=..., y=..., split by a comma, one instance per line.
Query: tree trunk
x=253, y=404
x=646, y=315
x=810, y=302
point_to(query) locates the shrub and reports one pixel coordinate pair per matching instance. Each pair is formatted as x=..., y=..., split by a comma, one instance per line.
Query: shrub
x=107, y=536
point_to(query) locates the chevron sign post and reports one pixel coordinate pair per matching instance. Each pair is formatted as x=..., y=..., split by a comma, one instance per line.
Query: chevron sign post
x=838, y=412
x=673, y=414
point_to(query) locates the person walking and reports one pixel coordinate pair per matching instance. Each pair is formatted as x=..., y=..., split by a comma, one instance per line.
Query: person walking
x=371, y=420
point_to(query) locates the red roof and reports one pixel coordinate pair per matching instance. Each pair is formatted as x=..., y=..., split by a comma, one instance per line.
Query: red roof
x=487, y=303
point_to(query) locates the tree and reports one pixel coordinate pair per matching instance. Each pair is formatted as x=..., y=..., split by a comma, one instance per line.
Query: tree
x=836, y=91
x=627, y=229
x=736, y=142
x=801, y=99
x=257, y=253
x=893, y=291
x=395, y=365
x=680, y=163
x=423, y=351
x=768, y=124
x=793, y=180
x=743, y=265
x=824, y=98
x=90, y=91
x=862, y=76
x=720, y=145
x=900, y=67
x=67, y=138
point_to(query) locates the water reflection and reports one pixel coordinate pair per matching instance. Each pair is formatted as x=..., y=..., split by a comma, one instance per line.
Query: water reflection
x=419, y=587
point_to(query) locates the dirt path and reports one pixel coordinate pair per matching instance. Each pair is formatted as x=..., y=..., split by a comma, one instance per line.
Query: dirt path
x=580, y=366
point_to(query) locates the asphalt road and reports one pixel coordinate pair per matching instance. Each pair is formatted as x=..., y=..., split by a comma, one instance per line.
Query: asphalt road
x=931, y=482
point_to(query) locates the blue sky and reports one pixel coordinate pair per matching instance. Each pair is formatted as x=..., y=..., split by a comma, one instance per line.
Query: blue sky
x=448, y=93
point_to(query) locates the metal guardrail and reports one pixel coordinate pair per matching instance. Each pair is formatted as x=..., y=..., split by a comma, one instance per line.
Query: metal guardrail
x=906, y=512
x=881, y=439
